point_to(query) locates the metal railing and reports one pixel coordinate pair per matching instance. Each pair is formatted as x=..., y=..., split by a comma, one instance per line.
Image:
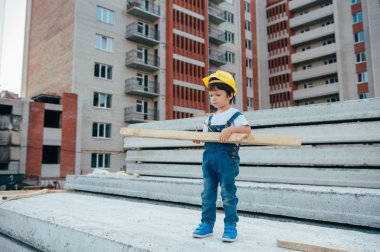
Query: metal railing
x=216, y=12
x=135, y=56
x=215, y=33
x=216, y=55
x=133, y=83
x=148, y=6
x=130, y=115
x=135, y=29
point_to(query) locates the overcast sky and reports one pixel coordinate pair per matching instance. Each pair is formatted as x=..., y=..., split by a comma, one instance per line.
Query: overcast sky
x=12, y=20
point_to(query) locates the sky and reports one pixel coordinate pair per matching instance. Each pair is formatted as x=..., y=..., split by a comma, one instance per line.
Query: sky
x=12, y=23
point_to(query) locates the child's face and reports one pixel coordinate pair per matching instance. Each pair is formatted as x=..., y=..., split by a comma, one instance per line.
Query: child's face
x=219, y=99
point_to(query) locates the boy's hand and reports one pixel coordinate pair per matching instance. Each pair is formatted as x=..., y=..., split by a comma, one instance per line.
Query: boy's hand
x=225, y=134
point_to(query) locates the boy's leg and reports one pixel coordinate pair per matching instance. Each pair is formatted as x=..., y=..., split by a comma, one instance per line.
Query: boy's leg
x=209, y=194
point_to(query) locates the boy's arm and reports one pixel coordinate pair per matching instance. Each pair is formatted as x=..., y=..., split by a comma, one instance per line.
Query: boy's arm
x=226, y=133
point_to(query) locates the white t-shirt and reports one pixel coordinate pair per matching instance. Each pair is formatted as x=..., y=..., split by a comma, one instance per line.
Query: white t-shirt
x=222, y=118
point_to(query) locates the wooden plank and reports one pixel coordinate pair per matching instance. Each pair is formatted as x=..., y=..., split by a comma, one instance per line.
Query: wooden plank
x=317, y=113
x=351, y=177
x=308, y=247
x=30, y=194
x=214, y=137
x=354, y=132
x=352, y=156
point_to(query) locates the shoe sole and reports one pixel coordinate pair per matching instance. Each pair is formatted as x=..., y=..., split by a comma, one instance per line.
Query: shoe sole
x=229, y=239
x=202, y=236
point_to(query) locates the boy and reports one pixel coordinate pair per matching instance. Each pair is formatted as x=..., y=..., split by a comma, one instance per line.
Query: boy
x=221, y=160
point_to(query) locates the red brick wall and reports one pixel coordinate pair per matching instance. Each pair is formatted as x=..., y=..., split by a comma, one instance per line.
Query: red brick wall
x=69, y=133
x=50, y=58
x=35, y=139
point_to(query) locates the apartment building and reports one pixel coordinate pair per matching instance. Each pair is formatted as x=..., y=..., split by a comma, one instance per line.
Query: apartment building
x=132, y=61
x=322, y=51
x=37, y=139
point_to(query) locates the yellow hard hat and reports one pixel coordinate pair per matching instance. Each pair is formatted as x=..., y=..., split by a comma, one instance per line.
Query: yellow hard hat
x=224, y=77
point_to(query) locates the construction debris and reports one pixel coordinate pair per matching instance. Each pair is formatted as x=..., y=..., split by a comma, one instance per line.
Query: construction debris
x=213, y=137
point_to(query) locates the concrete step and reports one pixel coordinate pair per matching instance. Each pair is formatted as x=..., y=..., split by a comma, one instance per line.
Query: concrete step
x=355, y=206
x=75, y=221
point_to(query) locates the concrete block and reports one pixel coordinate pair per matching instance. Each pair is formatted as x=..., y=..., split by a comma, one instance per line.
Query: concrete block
x=82, y=222
x=356, y=206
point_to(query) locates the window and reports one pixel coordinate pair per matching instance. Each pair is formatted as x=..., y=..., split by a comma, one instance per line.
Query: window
x=52, y=119
x=363, y=96
x=230, y=37
x=249, y=102
x=143, y=28
x=308, y=85
x=306, y=48
x=355, y=1
x=362, y=77
x=248, y=63
x=229, y=17
x=247, y=7
x=305, y=67
x=305, y=30
x=248, y=44
x=333, y=99
x=309, y=102
x=100, y=160
x=103, y=71
x=249, y=82
x=304, y=12
x=102, y=100
x=101, y=130
x=230, y=57
x=333, y=79
x=104, y=43
x=359, y=37
x=247, y=25
x=104, y=15
x=357, y=17
x=360, y=57
x=51, y=154
x=330, y=61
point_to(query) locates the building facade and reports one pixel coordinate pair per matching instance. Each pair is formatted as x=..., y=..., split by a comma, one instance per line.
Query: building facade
x=139, y=60
x=37, y=139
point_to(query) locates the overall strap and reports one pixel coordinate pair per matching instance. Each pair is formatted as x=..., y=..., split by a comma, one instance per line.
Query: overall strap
x=232, y=119
x=209, y=122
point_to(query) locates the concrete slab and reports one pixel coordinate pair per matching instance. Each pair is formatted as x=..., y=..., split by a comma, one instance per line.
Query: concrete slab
x=356, y=206
x=81, y=222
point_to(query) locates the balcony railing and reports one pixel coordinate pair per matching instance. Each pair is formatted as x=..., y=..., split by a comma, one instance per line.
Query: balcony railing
x=216, y=36
x=134, y=86
x=10, y=122
x=217, y=58
x=142, y=61
x=144, y=9
x=141, y=34
x=131, y=116
x=215, y=15
x=217, y=1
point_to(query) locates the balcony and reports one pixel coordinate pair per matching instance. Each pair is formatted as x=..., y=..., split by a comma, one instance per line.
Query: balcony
x=134, y=86
x=294, y=5
x=215, y=15
x=131, y=116
x=8, y=137
x=318, y=91
x=141, y=34
x=216, y=58
x=142, y=61
x=143, y=9
x=314, y=53
x=312, y=17
x=217, y=1
x=10, y=122
x=9, y=153
x=315, y=72
x=216, y=36
x=312, y=35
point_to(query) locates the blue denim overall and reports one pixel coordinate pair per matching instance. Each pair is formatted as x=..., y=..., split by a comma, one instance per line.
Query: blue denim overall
x=220, y=166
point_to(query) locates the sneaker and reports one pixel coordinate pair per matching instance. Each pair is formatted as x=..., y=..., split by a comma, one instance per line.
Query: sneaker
x=230, y=234
x=203, y=230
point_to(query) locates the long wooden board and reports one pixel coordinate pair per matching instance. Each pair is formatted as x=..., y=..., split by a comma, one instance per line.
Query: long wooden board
x=213, y=137
x=308, y=247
